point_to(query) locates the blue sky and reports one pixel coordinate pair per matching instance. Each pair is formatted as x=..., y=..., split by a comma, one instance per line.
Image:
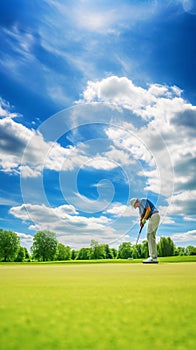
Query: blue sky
x=97, y=105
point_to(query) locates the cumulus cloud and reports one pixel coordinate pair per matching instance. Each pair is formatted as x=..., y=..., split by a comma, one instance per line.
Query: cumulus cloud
x=183, y=203
x=120, y=91
x=66, y=222
x=16, y=157
x=26, y=240
x=122, y=210
x=5, y=109
x=184, y=237
x=160, y=150
x=128, y=145
x=162, y=108
x=167, y=137
x=14, y=137
x=158, y=102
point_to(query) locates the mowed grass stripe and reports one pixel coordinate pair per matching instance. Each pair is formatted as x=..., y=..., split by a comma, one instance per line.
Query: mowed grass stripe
x=110, y=306
x=168, y=259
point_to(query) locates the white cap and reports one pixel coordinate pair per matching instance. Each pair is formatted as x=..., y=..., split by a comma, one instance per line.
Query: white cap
x=133, y=201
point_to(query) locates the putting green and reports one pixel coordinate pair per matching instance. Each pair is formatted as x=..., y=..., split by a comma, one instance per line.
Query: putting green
x=98, y=307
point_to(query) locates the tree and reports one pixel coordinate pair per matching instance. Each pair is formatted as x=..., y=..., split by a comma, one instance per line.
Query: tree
x=9, y=245
x=98, y=250
x=63, y=252
x=135, y=252
x=108, y=252
x=145, y=249
x=114, y=252
x=166, y=247
x=125, y=250
x=180, y=251
x=20, y=255
x=191, y=250
x=27, y=255
x=102, y=252
x=44, y=246
x=84, y=254
x=74, y=254
x=139, y=251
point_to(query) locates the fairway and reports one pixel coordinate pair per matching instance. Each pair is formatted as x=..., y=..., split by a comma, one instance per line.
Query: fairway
x=98, y=307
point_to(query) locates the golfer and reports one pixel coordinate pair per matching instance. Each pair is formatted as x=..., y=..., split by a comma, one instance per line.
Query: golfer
x=149, y=212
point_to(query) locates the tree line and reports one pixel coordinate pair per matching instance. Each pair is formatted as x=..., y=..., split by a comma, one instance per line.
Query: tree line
x=47, y=248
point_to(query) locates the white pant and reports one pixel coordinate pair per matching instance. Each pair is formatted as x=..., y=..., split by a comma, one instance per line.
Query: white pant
x=153, y=224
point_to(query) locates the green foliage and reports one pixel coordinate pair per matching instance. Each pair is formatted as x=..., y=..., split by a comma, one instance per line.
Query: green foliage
x=63, y=252
x=27, y=255
x=136, y=252
x=98, y=250
x=108, y=252
x=9, y=245
x=181, y=251
x=144, y=249
x=125, y=250
x=84, y=254
x=21, y=254
x=114, y=252
x=74, y=254
x=166, y=247
x=191, y=250
x=44, y=246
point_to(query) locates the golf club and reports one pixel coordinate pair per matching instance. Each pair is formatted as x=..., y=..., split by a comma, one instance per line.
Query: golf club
x=139, y=234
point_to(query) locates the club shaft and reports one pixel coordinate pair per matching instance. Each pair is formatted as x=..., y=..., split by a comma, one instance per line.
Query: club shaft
x=139, y=235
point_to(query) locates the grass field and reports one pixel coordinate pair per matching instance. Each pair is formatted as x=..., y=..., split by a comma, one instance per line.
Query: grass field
x=98, y=306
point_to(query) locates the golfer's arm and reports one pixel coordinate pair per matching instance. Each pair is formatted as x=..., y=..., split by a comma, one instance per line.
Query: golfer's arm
x=147, y=213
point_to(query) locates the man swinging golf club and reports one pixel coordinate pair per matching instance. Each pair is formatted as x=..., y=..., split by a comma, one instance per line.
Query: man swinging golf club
x=149, y=212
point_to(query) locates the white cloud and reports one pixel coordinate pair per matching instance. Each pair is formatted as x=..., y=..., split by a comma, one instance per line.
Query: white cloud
x=183, y=203
x=26, y=240
x=118, y=209
x=27, y=171
x=150, y=162
x=184, y=237
x=167, y=137
x=14, y=137
x=128, y=145
x=102, y=162
x=120, y=91
x=188, y=218
x=20, y=42
x=20, y=45
x=153, y=182
x=5, y=109
x=6, y=201
x=158, y=102
x=164, y=213
x=15, y=157
x=66, y=222
x=138, y=149
x=88, y=16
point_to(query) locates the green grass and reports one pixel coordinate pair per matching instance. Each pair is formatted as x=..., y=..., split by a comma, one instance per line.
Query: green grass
x=98, y=306
x=168, y=259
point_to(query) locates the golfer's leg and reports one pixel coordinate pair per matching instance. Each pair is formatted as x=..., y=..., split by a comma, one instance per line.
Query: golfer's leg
x=152, y=247
x=151, y=235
